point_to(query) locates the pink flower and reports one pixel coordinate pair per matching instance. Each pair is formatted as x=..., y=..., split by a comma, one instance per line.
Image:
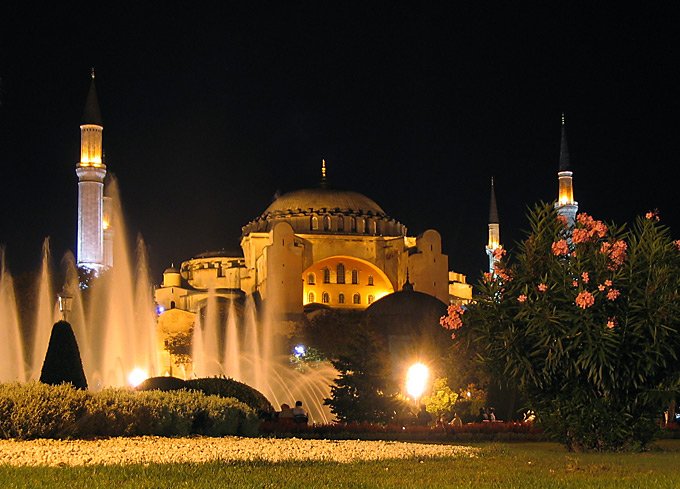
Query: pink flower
x=677, y=244
x=453, y=336
x=522, y=298
x=600, y=288
x=562, y=219
x=542, y=287
x=499, y=253
x=585, y=277
x=611, y=323
x=488, y=276
x=579, y=235
x=613, y=294
x=575, y=283
x=608, y=283
x=585, y=299
x=453, y=319
x=617, y=253
x=503, y=274
x=584, y=219
x=560, y=248
x=653, y=215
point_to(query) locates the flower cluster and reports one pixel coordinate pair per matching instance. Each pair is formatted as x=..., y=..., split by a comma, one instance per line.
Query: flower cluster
x=499, y=253
x=652, y=215
x=677, y=244
x=585, y=299
x=504, y=274
x=617, y=253
x=453, y=319
x=560, y=248
x=522, y=298
x=613, y=294
x=585, y=277
x=591, y=229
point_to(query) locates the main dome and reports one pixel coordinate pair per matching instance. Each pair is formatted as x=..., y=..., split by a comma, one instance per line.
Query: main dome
x=327, y=211
x=323, y=200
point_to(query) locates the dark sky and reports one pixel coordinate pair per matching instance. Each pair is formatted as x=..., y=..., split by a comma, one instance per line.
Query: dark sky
x=208, y=112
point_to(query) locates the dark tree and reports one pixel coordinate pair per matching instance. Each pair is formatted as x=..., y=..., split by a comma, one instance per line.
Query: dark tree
x=358, y=395
x=62, y=361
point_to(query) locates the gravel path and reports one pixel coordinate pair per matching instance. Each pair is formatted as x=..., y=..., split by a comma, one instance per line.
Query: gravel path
x=149, y=449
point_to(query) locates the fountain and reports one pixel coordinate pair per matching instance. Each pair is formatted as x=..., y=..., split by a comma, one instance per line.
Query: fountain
x=114, y=320
x=244, y=346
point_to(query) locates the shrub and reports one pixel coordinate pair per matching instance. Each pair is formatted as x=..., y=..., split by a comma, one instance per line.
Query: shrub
x=62, y=360
x=585, y=321
x=223, y=387
x=162, y=384
x=36, y=410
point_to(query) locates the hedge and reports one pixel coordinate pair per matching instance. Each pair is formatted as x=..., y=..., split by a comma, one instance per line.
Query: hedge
x=35, y=410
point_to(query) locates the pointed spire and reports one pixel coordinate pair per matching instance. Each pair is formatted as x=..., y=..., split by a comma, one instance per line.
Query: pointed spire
x=407, y=285
x=91, y=115
x=493, y=209
x=564, y=150
x=324, y=182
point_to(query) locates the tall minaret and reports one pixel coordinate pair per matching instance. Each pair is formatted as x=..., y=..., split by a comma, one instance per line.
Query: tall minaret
x=566, y=205
x=494, y=231
x=91, y=172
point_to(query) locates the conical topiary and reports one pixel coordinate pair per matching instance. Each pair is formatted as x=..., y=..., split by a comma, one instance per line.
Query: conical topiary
x=62, y=360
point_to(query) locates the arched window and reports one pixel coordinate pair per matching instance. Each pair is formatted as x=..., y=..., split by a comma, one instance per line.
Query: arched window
x=311, y=297
x=366, y=226
x=352, y=224
x=326, y=276
x=325, y=298
x=355, y=276
x=341, y=273
x=315, y=223
x=326, y=223
x=362, y=226
x=370, y=280
x=374, y=227
x=370, y=299
x=311, y=279
x=341, y=299
x=341, y=223
x=356, y=299
x=172, y=304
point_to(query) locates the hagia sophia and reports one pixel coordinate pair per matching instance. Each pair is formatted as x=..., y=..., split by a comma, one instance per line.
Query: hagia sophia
x=311, y=249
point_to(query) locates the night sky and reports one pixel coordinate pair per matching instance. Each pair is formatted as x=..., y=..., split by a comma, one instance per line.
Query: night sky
x=208, y=113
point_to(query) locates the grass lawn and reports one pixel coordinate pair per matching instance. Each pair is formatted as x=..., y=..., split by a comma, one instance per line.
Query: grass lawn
x=526, y=465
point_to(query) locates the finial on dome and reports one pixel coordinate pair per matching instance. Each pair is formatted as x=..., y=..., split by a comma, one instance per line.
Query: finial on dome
x=323, y=173
x=407, y=285
x=562, y=118
x=93, y=72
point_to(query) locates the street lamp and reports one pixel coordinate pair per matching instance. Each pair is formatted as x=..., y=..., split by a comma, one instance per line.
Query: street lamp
x=416, y=379
x=65, y=303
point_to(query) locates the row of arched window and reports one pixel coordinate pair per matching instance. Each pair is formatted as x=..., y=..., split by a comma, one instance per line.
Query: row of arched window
x=340, y=276
x=326, y=298
x=363, y=225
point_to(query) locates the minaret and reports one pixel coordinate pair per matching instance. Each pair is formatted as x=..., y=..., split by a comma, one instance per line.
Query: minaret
x=494, y=231
x=91, y=172
x=566, y=205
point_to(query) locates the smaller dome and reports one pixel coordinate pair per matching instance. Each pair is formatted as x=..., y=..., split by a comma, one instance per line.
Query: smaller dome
x=406, y=312
x=171, y=270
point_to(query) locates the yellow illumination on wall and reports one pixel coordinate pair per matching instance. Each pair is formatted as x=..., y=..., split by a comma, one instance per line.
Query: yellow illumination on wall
x=105, y=224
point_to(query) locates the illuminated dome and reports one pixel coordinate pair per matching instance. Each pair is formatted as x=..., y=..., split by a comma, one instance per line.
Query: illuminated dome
x=322, y=200
x=327, y=211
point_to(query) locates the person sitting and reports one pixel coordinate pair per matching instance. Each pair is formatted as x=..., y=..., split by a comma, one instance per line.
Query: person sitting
x=299, y=413
x=483, y=416
x=456, y=421
x=424, y=418
x=286, y=412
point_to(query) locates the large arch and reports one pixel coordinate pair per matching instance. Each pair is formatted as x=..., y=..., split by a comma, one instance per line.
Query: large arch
x=372, y=281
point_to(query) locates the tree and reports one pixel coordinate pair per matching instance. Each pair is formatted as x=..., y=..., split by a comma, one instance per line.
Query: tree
x=62, y=361
x=585, y=322
x=358, y=394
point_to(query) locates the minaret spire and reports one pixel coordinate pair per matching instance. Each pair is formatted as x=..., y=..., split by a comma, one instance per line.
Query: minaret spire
x=494, y=230
x=566, y=205
x=91, y=171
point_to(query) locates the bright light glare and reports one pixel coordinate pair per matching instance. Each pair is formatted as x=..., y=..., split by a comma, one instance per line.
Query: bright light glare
x=416, y=377
x=300, y=350
x=136, y=377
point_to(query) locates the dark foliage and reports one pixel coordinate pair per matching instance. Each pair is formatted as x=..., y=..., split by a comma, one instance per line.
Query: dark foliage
x=62, y=361
x=162, y=384
x=224, y=387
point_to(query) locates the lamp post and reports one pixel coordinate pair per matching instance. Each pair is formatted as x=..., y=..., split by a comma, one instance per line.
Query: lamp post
x=416, y=378
x=65, y=303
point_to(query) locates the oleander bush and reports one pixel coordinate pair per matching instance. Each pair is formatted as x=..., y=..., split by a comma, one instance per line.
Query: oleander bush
x=36, y=410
